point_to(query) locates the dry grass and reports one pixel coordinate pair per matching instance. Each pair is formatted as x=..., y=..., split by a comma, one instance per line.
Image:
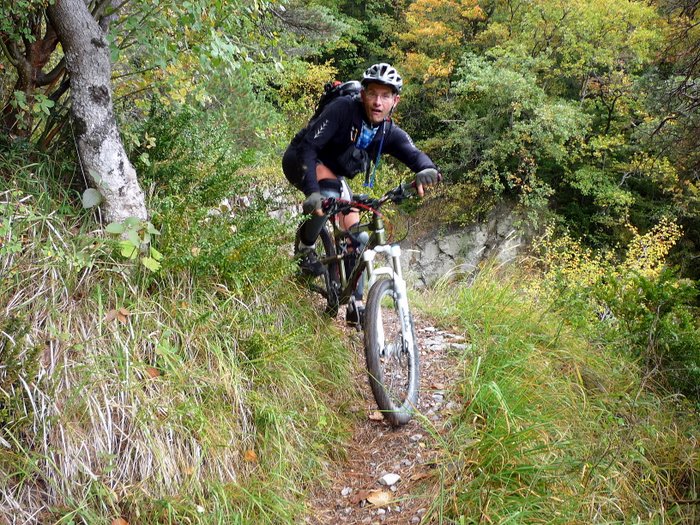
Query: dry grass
x=137, y=396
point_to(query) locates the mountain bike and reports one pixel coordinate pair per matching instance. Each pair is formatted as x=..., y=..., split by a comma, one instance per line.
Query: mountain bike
x=391, y=350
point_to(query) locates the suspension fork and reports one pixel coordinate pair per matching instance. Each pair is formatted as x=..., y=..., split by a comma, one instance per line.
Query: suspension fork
x=395, y=273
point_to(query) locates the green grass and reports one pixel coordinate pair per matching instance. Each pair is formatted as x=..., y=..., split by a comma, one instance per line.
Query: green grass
x=214, y=392
x=552, y=428
x=170, y=398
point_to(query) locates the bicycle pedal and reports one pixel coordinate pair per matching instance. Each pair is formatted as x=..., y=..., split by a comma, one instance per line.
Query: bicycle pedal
x=309, y=264
x=355, y=315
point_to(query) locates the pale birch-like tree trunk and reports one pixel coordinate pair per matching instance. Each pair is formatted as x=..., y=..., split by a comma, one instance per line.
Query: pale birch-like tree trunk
x=99, y=145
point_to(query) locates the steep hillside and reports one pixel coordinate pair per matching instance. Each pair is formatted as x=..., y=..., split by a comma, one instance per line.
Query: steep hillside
x=214, y=391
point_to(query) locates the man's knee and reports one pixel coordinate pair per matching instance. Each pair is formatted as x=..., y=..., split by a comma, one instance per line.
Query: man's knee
x=330, y=188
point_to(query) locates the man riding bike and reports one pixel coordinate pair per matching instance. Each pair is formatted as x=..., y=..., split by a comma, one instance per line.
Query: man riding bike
x=338, y=145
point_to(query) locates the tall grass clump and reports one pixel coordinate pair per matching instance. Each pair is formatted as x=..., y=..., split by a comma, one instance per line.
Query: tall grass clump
x=201, y=393
x=556, y=427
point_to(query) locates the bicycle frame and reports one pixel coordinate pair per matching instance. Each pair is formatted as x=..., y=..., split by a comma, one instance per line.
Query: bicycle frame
x=366, y=263
x=390, y=345
x=391, y=350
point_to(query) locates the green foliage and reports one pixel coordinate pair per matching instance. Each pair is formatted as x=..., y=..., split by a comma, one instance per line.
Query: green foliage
x=177, y=52
x=553, y=428
x=577, y=41
x=213, y=38
x=38, y=107
x=658, y=320
x=506, y=133
x=547, y=103
x=611, y=203
x=637, y=304
x=136, y=239
x=17, y=12
x=367, y=35
x=234, y=249
x=191, y=157
x=195, y=174
x=295, y=91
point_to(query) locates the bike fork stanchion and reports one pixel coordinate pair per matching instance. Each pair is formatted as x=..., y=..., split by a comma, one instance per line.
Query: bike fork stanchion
x=400, y=287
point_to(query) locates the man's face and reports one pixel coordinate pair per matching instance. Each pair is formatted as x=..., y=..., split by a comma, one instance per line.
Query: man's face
x=378, y=101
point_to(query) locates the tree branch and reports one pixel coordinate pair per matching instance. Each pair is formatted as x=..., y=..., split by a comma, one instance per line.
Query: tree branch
x=10, y=52
x=44, y=79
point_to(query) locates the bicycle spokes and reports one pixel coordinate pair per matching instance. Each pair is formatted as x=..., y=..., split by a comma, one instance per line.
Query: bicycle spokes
x=392, y=357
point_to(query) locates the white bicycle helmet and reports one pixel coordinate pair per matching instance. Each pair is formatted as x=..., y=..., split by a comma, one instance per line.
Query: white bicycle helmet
x=383, y=74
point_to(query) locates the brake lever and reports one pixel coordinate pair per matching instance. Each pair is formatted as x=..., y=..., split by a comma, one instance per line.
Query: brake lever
x=402, y=192
x=327, y=204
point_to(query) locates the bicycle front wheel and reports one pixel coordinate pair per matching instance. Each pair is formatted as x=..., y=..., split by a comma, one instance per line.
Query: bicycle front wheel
x=391, y=353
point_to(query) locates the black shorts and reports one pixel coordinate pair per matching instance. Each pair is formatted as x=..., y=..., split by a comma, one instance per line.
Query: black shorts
x=292, y=168
x=294, y=173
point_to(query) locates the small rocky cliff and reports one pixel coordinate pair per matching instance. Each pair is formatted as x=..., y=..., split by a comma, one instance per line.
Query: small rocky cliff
x=441, y=253
x=431, y=254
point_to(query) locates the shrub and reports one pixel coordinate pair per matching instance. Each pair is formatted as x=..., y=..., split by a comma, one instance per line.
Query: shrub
x=634, y=301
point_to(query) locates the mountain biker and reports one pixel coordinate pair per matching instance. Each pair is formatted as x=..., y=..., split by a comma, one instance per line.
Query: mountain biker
x=339, y=144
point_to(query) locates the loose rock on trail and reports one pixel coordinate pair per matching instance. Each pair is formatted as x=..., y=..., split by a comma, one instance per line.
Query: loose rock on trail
x=389, y=476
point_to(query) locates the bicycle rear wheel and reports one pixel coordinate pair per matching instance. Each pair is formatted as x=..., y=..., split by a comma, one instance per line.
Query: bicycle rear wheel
x=391, y=353
x=327, y=284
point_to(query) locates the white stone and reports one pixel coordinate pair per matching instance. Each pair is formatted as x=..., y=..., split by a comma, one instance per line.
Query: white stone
x=389, y=479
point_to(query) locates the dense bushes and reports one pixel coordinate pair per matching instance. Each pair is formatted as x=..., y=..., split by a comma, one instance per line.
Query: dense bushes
x=636, y=303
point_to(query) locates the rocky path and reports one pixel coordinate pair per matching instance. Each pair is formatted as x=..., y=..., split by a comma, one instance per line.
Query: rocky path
x=389, y=474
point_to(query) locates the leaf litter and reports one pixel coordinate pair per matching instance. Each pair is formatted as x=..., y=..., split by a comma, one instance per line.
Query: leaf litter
x=354, y=493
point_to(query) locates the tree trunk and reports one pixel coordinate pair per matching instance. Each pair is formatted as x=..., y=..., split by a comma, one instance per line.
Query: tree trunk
x=29, y=58
x=102, y=155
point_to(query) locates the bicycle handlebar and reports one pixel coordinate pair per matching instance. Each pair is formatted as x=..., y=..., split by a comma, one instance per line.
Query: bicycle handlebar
x=331, y=205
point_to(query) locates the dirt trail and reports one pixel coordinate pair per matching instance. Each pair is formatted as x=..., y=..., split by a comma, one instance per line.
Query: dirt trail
x=356, y=495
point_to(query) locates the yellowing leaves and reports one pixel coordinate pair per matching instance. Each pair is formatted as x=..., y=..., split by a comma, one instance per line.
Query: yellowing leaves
x=568, y=260
x=121, y=315
x=646, y=254
x=439, y=27
x=380, y=498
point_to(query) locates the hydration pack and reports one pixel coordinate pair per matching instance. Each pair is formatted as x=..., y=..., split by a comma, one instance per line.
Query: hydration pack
x=333, y=90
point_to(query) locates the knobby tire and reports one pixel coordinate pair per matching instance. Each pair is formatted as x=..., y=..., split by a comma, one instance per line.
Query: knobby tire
x=332, y=274
x=392, y=361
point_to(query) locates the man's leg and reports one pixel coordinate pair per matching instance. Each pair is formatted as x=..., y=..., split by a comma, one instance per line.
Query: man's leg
x=310, y=229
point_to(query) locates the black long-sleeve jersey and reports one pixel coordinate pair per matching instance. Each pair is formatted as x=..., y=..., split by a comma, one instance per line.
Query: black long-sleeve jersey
x=338, y=127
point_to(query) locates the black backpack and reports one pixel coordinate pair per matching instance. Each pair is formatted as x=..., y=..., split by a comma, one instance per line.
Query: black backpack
x=353, y=160
x=333, y=90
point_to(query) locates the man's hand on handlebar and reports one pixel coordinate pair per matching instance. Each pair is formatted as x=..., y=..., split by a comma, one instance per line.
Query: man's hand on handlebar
x=426, y=177
x=312, y=204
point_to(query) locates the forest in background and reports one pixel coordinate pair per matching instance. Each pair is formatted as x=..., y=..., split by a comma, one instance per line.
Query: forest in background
x=582, y=114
